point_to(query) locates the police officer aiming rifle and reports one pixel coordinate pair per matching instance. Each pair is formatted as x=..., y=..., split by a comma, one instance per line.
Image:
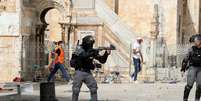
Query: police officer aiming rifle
x=82, y=61
x=192, y=63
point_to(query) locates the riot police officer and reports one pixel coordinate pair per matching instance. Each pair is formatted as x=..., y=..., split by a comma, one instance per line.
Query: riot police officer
x=82, y=61
x=192, y=62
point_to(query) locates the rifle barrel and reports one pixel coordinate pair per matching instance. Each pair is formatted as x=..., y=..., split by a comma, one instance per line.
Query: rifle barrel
x=105, y=48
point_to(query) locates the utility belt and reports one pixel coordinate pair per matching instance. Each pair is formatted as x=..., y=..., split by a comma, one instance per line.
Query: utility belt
x=83, y=70
x=195, y=64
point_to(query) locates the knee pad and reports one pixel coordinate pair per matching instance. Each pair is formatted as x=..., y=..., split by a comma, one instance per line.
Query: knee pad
x=188, y=87
x=199, y=86
x=198, y=92
x=93, y=90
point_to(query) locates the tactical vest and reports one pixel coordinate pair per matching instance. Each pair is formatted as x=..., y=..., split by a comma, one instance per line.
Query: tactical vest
x=195, y=57
x=79, y=62
x=75, y=61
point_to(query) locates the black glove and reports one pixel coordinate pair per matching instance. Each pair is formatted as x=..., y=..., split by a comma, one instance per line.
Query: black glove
x=183, y=69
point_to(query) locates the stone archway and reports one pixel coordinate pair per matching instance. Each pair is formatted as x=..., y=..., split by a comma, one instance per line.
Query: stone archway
x=39, y=25
x=33, y=28
x=47, y=5
x=64, y=9
x=42, y=9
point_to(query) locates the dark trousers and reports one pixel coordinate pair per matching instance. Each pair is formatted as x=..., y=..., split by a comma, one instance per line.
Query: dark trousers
x=137, y=66
x=87, y=78
x=194, y=75
x=62, y=68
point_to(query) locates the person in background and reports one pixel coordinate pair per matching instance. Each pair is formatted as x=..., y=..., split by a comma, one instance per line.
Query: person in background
x=59, y=63
x=137, y=58
x=52, y=56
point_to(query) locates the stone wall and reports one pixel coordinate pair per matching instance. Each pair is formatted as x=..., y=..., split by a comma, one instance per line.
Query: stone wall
x=8, y=5
x=168, y=24
x=111, y=3
x=28, y=30
x=139, y=15
x=10, y=49
x=10, y=41
x=188, y=20
x=193, y=7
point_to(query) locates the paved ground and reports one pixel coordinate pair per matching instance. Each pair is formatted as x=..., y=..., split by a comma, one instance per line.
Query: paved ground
x=121, y=92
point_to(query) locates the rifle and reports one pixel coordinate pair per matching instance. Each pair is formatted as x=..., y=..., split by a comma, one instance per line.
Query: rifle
x=94, y=52
x=111, y=47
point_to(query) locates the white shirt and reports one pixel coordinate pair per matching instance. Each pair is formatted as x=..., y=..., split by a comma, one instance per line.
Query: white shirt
x=137, y=47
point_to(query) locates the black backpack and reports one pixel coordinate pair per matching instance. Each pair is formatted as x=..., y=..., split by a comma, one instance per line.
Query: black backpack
x=75, y=60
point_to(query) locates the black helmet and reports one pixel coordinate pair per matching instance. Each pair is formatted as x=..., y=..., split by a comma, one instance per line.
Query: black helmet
x=195, y=37
x=88, y=41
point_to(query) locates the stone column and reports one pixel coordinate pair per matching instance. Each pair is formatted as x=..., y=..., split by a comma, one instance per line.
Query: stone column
x=39, y=39
x=154, y=35
x=66, y=34
x=62, y=32
x=116, y=7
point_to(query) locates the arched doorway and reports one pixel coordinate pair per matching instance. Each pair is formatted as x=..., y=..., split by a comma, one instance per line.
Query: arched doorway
x=53, y=30
x=52, y=33
x=48, y=14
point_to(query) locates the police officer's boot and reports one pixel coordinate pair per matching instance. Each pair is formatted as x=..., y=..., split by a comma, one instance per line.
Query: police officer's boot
x=198, y=93
x=94, y=96
x=186, y=92
x=75, y=94
x=75, y=97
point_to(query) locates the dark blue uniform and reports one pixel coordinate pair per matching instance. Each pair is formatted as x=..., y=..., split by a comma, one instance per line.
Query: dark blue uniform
x=82, y=61
x=192, y=62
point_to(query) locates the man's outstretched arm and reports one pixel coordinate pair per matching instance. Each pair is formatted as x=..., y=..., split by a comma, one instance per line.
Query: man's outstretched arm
x=102, y=59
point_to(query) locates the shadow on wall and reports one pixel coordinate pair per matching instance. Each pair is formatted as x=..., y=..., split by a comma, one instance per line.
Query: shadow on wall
x=187, y=27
